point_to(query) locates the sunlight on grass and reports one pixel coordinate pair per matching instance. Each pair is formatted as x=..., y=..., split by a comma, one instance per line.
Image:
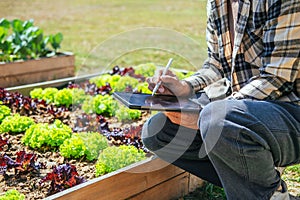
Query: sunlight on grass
x=87, y=23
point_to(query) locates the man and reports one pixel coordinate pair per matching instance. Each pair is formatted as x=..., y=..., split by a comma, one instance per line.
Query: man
x=237, y=142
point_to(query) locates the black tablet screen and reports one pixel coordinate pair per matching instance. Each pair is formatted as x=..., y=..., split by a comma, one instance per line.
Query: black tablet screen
x=143, y=101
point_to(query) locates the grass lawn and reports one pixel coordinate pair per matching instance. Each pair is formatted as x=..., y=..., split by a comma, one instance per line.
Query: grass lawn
x=291, y=176
x=105, y=33
x=87, y=24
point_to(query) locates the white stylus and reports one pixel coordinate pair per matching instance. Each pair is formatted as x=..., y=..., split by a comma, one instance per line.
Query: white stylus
x=164, y=73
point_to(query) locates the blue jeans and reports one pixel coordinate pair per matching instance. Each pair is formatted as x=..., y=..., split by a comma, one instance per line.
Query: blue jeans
x=239, y=144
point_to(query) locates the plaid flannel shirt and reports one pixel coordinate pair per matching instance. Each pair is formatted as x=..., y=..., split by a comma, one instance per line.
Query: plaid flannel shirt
x=264, y=60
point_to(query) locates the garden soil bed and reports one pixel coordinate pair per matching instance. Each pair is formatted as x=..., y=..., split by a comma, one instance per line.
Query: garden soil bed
x=30, y=185
x=146, y=178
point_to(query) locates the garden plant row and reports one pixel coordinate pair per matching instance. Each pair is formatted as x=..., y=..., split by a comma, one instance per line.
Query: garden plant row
x=22, y=40
x=58, y=138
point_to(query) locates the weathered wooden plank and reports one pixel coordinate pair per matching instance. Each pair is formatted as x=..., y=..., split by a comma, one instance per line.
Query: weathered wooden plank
x=194, y=182
x=36, y=77
x=123, y=184
x=33, y=71
x=171, y=189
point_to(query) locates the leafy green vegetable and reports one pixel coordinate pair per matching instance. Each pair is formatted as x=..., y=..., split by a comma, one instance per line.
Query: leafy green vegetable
x=12, y=194
x=51, y=135
x=95, y=142
x=124, y=82
x=22, y=40
x=87, y=105
x=78, y=96
x=102, y=105
x=4, y=23
x=36, y=93
x=105, y=78
x=113, y=158
x=147, y=69
x=63, y=97
x=49, y=94
x=55, y=40
x=105, y=105
x=4, y=111
x=123, y=113
x=73, y=147
x=16, y=124
x=85, y=143
x=143, y=88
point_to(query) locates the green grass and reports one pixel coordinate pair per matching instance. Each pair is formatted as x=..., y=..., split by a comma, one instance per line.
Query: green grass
x=207, y=192
x=87, y=24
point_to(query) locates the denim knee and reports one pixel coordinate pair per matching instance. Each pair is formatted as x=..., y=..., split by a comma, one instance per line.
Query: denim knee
x=150, y=130
x=220, y=115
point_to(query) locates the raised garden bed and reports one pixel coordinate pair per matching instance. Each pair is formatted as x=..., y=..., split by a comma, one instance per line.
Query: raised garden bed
x=149, y=179
x=146, y=179
x=27, y=55
x=37, y=70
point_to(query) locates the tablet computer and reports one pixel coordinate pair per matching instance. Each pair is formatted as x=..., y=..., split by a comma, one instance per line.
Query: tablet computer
x=159, y=102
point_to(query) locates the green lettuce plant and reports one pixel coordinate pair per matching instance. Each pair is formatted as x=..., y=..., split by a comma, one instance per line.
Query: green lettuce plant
x=123, y=113
x=12, y=194
x=73, y=147
x=16, y=124
x=113, y=158
x=63, y=97
x=87, y=144
x=124, y=82
x=4, y=111
x=66, y=96
x=47, y=94
x=147, y=69
x=102, y=105
x=143, y=88
x=78, y=96
x=102, y=80
x=43, y=134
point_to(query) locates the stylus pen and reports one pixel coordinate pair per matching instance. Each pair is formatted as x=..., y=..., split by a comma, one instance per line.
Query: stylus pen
x=164, y=73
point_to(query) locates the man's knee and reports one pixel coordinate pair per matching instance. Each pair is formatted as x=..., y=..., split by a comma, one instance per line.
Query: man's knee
x=151, y=128
x=218, y=119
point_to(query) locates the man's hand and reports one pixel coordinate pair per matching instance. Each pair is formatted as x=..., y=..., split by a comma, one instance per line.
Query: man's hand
x=187, y=119
x=170, y=84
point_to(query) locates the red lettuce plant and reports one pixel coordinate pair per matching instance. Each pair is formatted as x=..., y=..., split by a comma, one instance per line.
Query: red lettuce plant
x=62, y=177
x=25, y=163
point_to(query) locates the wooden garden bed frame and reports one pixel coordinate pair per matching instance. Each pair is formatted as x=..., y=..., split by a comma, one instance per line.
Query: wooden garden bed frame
x=147, y=180
x=35, y=71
